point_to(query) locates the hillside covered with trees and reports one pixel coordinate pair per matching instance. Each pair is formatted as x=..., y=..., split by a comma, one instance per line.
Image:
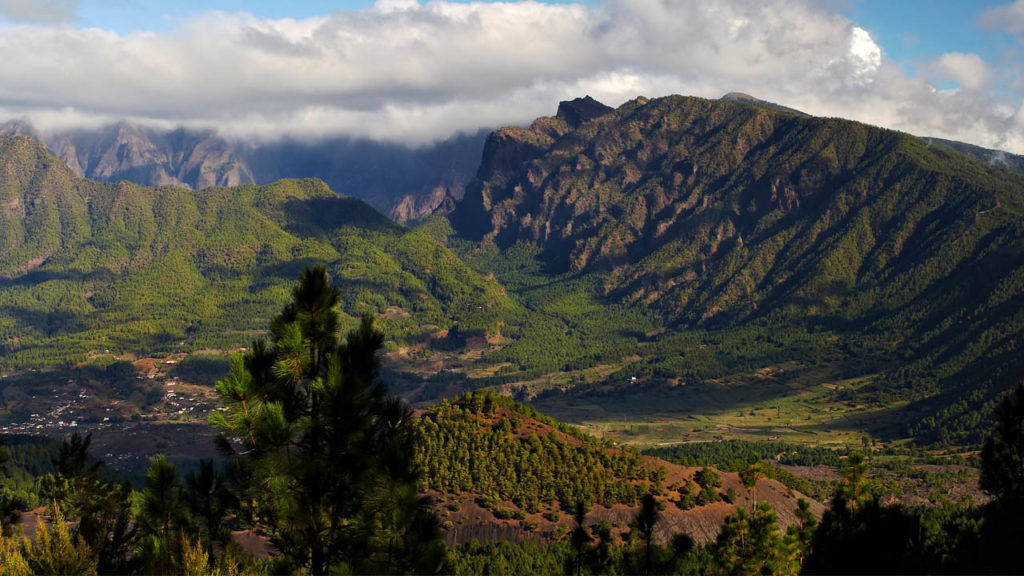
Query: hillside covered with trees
x=90, y=267
x=725, y=236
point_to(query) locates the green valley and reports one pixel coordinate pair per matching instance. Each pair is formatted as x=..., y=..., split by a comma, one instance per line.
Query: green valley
x=676, y=269
x=514, y=287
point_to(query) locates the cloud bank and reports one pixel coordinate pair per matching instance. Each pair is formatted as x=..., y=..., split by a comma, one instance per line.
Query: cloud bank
x=39, y=11
x=1009, y=18
x=410, y=72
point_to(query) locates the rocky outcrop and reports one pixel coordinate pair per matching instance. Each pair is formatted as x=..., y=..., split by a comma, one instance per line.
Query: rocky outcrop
x=125, y=151
x=439, y=200
x=580, y=110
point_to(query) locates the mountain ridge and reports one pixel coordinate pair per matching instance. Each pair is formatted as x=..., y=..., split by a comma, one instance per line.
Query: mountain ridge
x=404, y=183
x=721, y=214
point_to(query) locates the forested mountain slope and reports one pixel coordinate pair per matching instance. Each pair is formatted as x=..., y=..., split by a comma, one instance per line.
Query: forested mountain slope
x=501, y=470
x=721, y=215
x=1006, y=160
x=88, y=266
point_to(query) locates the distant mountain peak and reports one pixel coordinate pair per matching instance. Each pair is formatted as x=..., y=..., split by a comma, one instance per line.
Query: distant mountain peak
x=20, y=127
x=406, y=183
x=580, y=110
x=125, y=129
x=741, y=97
x=748, y=99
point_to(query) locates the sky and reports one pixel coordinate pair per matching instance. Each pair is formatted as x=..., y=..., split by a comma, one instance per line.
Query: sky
x=416, y=72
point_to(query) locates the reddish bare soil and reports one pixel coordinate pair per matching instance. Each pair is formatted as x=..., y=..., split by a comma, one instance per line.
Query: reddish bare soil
x=464, y=519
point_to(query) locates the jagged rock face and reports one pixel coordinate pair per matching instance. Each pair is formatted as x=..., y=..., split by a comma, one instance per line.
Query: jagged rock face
x=405, y=183
x=180, y=157
x=715, y=211
x=615, y=183
x=580, y=110
x=505, y=153
x=439, y=200
x=187, y=158
x=62, y=147
x=203, y=160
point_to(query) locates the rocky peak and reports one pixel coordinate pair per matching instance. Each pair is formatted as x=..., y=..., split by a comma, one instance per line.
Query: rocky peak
x=580, y=110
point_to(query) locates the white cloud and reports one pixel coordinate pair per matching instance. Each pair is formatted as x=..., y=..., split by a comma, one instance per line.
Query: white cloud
x=967, y=70
x=412, y=72
x=39, y=11
x=866, y=55
x=1009, y=17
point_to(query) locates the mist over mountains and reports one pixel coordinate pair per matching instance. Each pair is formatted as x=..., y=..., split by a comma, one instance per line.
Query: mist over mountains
x=399, y=181
x=402, y=182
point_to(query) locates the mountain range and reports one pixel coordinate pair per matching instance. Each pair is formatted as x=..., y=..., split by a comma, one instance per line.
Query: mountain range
x=402, y=182
x=730, y=215
x=678, y=247
x=405, y=183
x=715, y=211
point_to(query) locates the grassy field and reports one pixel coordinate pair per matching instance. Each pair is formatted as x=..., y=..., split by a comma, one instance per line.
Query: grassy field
x=787, y=403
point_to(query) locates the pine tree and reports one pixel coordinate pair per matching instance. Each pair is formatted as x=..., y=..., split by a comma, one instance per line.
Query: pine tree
x=107, y=525
x=327, y=450
x=749, y=476
x=76, y=477
x=580, y=535
x=1002, y=476
x=103, y=509
x=161, y=519
x=1002, y=456
x=55, y=552
x=749, y=544
x=857, y=533
x=12, y=561
x=208, y=500
x=645, y=521
x=8, y=505
x=797, y=542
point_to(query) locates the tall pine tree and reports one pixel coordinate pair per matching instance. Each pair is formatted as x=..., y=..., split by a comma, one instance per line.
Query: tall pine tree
x=328, y=451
